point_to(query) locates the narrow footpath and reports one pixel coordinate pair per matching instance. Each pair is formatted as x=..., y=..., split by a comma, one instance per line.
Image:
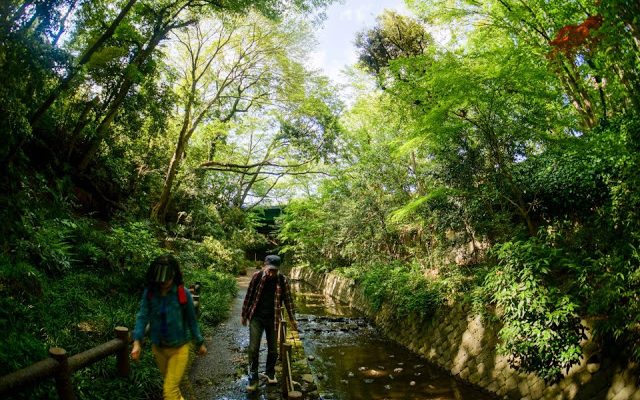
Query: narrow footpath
x=221, y=373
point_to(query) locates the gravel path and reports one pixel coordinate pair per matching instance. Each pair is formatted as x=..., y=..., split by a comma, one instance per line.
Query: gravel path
x=221, y=374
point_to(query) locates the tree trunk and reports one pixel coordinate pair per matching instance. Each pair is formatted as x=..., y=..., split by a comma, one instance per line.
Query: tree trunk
x=159, y=210
x=252, y=181
x=581, y=99
x=63, y=21
x=114, y=107
x=86, y=56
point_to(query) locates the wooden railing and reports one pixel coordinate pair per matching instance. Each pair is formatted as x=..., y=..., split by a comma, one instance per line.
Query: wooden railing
x=288, y=390
x=61, y=367
x=195, y=293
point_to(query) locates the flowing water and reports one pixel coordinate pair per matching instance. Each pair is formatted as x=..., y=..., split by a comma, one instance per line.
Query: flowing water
x=353, y=361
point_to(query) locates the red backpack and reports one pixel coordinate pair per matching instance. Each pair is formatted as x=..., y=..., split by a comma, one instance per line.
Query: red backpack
x=182, y=295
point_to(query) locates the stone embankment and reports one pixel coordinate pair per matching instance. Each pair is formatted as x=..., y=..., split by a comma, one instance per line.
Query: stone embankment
x=465, y=345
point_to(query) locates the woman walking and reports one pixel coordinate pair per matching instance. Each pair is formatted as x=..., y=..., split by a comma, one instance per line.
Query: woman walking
x=168, y=309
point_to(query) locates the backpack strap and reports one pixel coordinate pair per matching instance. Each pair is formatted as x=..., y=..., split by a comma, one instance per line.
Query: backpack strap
x=182, y=295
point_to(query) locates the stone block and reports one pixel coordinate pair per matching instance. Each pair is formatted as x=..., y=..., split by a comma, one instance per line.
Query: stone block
x=571, y=390
x=625, y=394
x=523, y=388
x=471, y=362
x=480, y=367
x=493, y=386
x=564, y=383
x=501, y=363
x=456, y=369
x=475, y=378
x=511, y=383
x=485, y=380
x=537, y=388
x=593, y=367
x=618, y=384
x=553, y=396
x=584, y=377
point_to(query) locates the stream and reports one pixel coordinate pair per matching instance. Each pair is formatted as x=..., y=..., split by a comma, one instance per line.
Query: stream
x=353, y=361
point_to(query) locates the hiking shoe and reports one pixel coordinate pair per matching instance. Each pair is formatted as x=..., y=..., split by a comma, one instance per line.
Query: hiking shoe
x=252, y=386
x=271, y=379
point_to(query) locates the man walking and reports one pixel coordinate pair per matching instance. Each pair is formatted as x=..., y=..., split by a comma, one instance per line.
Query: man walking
x=267, y=291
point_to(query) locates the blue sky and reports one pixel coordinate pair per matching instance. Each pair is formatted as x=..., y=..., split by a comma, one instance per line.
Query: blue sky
x=336, y=37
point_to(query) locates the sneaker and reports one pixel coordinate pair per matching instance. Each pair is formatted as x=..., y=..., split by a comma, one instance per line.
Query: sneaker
x=271, y=379
x=252, y=386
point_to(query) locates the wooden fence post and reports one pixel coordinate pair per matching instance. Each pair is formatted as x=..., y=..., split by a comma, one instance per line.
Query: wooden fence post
x=282, y=338
x=285, y=370
x=195, y=294
x=122, y=356
x=196, y=303
x=291, y=393
x=63, y=374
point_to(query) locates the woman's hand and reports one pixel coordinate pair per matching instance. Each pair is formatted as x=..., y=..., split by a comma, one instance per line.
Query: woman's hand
x=202, y=350
x=136, y=350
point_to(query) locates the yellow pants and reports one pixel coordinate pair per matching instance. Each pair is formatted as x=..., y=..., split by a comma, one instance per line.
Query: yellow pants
x=172, y=362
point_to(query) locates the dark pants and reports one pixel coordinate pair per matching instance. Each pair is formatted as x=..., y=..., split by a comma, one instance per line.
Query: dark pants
x=256, y=327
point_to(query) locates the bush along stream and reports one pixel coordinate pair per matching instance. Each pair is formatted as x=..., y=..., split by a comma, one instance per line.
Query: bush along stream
x=352, y=360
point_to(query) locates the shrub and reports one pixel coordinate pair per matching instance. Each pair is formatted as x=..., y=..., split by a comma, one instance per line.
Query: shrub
x=211, y=254
x=76, y=311
x=403, y=288
x=132, y=245
x=541, y=328
x=47, y=244
x=216, y=293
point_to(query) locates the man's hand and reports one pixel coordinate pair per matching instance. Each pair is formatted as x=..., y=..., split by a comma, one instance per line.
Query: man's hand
x=136, y=350
x=202, y=350
x=244, y=321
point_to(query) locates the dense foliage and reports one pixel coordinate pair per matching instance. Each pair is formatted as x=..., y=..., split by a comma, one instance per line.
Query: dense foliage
x=132, y=128
x=494, y=159
x=500, y=168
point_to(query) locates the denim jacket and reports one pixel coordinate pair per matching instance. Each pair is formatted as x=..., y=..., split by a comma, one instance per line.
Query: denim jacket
x=181, y=325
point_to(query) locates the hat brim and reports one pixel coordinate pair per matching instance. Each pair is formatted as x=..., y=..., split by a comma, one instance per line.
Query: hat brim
x=271, y=266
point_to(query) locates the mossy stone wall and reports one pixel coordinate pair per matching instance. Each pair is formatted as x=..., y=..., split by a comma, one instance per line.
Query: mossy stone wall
x=465, y=345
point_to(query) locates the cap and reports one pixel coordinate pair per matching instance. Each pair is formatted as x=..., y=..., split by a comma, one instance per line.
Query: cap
x=272, y=261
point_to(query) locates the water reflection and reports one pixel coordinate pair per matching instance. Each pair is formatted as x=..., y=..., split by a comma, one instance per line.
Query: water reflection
x=352, y=361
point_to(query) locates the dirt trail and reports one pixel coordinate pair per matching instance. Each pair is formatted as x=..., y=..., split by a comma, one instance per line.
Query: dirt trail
x=219, y=374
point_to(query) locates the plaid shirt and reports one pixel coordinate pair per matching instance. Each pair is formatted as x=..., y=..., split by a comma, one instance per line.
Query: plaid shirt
x=254, y=293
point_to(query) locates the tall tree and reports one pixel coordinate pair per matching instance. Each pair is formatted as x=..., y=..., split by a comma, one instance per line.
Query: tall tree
x=233, y=66
x=576, y=39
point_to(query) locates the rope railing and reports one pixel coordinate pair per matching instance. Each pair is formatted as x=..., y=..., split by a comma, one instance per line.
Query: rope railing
x=61, y=367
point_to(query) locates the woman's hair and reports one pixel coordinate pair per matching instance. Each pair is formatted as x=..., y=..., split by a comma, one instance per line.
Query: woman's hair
x=163, y=268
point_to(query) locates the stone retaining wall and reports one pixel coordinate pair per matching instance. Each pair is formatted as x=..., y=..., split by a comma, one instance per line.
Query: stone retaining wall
x=465, y=345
